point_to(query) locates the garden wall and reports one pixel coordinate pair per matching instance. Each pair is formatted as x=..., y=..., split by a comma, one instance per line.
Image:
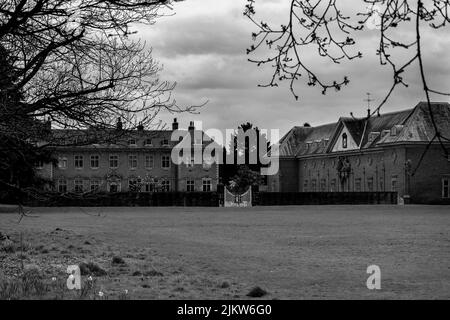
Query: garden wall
x=210, y=199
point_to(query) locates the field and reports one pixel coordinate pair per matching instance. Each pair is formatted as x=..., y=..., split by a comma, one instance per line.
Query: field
x=311, y=252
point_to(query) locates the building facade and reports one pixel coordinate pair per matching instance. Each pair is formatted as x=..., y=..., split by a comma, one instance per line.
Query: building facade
x=137, y=161
x=380, y=153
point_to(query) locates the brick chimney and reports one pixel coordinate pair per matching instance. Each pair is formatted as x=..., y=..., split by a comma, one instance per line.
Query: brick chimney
x=175, y=124
x=191, y=126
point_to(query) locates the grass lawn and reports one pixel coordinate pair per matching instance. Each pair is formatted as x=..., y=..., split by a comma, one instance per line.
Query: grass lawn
x=310, y=252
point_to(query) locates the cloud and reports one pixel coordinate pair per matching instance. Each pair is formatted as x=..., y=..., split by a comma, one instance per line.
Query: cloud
x=202, y=48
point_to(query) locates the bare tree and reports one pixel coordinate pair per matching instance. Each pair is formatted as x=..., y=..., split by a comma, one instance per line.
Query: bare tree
x=323, y=26
x=79, y=65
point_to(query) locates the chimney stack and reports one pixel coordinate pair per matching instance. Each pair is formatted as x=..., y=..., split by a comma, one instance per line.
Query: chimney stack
x=191, y=126
x=140, y=127
x=175, y=124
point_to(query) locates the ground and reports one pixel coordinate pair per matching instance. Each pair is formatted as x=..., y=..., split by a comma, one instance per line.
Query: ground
x=308, y=252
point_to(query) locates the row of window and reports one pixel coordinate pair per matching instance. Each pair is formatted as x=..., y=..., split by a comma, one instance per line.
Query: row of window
x=94, y=161
x=149, y=162
x=133, y=185
x=358, y=187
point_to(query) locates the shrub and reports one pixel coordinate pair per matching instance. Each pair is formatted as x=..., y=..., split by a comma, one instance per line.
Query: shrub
x=91, y=268
x=117, y=260
x=256, y=292
x=8, y=246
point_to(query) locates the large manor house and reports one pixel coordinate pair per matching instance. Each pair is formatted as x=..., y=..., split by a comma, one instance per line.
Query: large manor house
x=138, y=161
x=378, y=153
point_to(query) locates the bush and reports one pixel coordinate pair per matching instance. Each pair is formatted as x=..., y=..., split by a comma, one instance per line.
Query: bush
x=91, y=268
x=256, y=292
x=8, y=246
x=117, y=260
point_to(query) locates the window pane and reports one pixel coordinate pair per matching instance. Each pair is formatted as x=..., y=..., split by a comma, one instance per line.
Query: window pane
x=190, y=185
x=78, y=186
x=149, y=162
x=95, y=185
x=132, y=161
x=95, y=161
x=370, y=184
x=165, y=161
x=62, y=185
x=113, y=161
x=394, y=184
x=78, y=161
x=445, y=188
x=62, y=163
x=206, y=185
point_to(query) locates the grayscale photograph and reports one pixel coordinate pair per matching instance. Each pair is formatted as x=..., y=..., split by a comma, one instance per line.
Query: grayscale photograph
x=224, y=155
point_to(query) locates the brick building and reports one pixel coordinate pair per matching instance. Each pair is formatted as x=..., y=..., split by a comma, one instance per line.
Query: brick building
x=128, y=161
x=375, y=154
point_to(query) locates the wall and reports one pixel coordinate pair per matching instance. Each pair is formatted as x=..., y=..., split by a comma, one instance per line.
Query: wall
x=426, y=185
x=124, y=172
x=287, y=178
x=197, y=173
x=370, y=171
x=323, y=198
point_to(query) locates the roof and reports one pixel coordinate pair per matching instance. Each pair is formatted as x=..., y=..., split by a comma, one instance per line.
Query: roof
x=411, y=125
x=418, y=126
x=117, y=139
x=102, y=137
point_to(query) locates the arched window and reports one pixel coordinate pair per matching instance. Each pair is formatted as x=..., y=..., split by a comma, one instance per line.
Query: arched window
x=344, y=141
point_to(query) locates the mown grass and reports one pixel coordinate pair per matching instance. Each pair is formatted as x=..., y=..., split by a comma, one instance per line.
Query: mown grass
x=195, y=253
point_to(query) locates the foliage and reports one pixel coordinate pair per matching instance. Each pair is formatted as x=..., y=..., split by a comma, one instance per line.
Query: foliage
x=229, y=172
x=244, y=179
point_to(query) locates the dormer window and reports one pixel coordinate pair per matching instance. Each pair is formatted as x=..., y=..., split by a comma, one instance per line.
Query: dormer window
x=393, y=131
x=165, y=142
x=344, y=141
x=148, y=142
x=132, y=142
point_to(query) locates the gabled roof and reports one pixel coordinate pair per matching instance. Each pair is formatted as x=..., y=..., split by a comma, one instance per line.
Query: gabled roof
x=418, y=125
x=412, y=125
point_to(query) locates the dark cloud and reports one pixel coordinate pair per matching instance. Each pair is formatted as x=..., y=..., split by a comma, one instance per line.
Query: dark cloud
x=203, y=47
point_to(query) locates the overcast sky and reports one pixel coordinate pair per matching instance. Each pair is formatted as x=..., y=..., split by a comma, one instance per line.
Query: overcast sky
x=203, y=48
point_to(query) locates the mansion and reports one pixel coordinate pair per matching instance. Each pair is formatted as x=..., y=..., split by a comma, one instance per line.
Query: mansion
x=137, y=161
x=378, y=153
